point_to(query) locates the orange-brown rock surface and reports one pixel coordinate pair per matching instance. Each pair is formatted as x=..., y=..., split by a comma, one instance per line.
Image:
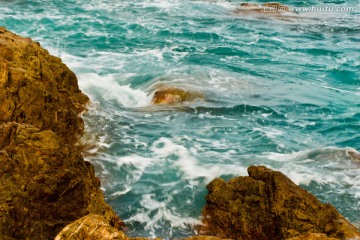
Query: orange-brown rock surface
x=204, y=237
x=45, y=183
x=171, y=95
x=91, y=226
x=38, y=89
x=313, y=236
x=268, y=205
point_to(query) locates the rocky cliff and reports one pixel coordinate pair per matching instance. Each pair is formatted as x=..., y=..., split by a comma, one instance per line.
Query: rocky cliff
x=45, y=183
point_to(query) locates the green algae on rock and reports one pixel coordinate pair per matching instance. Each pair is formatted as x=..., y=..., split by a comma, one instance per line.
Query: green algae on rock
x=268, y=205
x=45, y=183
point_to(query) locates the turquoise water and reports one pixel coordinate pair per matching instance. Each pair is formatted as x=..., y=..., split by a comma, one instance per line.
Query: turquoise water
x=279, y=91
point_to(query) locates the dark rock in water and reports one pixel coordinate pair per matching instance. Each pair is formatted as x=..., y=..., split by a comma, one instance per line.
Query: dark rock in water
x=171, y=95
x=268, y=205
x=45, y=183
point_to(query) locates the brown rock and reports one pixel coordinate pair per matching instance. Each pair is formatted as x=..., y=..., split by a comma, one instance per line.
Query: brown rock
x=270, y=7
x=204, y=238
x=354, y=155
x=313, y=236
x=91, y=226
x=38, y=89
x=171, y=95
x=45, y=183
x=268, y=205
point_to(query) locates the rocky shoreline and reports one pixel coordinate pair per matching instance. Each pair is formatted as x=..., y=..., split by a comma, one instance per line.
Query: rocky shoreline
x=45, y=182
x=48, y=191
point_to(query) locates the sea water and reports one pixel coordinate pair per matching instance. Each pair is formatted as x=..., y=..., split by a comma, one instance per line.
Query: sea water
x=280, y=91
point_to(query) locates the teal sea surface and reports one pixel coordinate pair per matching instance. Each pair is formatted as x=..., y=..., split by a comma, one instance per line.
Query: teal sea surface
x=280, y=90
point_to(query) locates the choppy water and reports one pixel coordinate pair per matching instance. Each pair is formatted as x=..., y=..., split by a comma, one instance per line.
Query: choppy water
x=280, y=91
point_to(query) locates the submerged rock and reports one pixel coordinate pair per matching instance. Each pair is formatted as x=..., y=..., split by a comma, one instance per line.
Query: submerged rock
x=354, y=155
x=270, y=7
x=45, y=183
x=171, y=95
x=268, y=205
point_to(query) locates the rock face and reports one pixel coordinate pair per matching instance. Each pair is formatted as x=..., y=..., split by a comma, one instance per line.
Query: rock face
x=44, y=182
x=171, y=95
x=268, y=205
x=38, y=89
x=91, y=226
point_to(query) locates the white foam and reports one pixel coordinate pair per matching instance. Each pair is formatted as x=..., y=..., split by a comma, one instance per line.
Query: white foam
x=99, y=87
x=188, y=164
x=330, y=165
x=160, y=213
x=269, y=132
x=140, y=163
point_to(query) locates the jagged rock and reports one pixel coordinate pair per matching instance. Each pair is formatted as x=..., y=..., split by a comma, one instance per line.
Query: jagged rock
x=268, y=205
x=45, y=183
x=37, y=88
x=170, y=95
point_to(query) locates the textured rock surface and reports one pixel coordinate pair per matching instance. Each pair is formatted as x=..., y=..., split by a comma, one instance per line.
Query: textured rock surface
x=204, y=238
x=44, y=182
x=268, y=205
x=91, y=226
x=170, y=95
x=38, y=89
x=313, y=236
